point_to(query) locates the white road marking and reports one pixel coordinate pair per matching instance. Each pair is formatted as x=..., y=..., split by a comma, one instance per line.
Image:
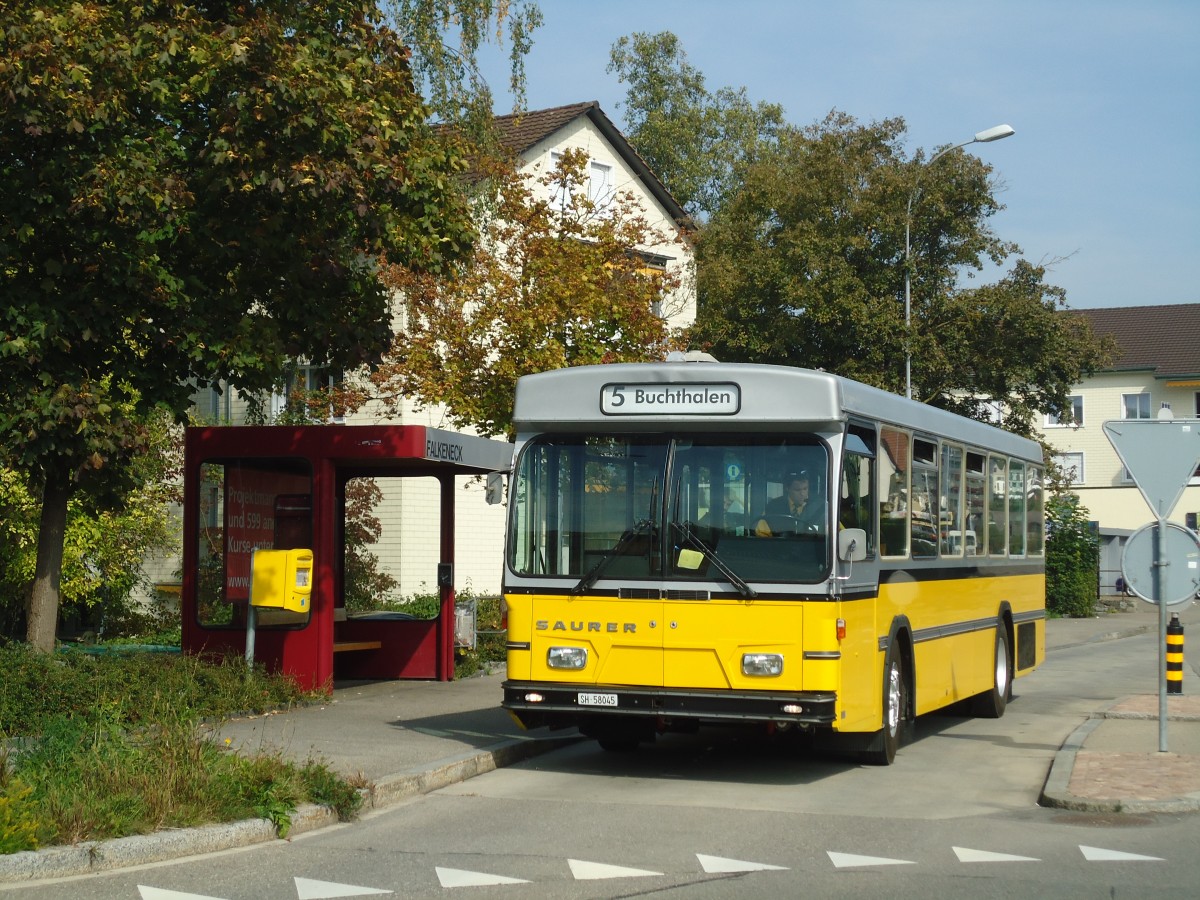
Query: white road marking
x=153, y=893
x=311, y=889
x=591, y=871
x=1099, y=854
x=965, y=854
x=451, y=878
x=846, y=860
x=712, y=864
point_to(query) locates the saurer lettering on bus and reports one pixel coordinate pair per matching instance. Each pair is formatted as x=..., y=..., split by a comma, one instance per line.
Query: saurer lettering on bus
x=611, y=627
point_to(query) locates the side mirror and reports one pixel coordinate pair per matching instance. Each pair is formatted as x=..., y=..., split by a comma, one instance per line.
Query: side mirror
x=852, y=545
x=494, y=491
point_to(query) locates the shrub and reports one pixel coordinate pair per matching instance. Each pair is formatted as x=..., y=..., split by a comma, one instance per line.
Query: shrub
x=1072, y=558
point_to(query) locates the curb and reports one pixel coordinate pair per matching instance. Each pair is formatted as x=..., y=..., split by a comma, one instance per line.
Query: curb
x=91, y=857
x=1056, y=791
x=393, y=789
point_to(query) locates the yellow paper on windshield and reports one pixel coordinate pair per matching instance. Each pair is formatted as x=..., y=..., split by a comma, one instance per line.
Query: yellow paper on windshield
x=690, y=559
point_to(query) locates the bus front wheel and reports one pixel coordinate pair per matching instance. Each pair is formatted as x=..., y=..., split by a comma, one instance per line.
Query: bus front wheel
x=991, y=704
x=886, y=742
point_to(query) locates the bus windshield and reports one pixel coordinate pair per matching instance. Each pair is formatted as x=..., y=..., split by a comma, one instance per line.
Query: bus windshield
x=660, y=507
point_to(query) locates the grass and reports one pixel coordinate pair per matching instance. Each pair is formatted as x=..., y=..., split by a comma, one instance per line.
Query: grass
x=97, y=745
x=110, y=745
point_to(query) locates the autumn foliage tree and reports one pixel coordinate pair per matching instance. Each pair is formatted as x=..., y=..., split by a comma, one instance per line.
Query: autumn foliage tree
x=557, y=279
x=195, y=192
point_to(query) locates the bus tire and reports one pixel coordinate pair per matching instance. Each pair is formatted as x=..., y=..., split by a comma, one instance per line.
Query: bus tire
x=992, y=703
x=886, y=741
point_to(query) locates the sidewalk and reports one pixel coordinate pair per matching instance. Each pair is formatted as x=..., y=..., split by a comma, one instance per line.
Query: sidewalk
x=405, y=738
x=1112, y=762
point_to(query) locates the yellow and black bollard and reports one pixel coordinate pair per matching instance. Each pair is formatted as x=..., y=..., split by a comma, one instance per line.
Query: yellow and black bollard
x=1175, y=655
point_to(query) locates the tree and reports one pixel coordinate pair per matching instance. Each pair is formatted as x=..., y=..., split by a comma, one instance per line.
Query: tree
x=195, y=192
x=457, y=92
x=805, y=266
x=106, y=537
x=553, y=283
x=695, y=141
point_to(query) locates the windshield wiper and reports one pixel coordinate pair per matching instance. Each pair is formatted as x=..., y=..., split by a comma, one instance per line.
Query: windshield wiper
x=685, y=529
x=594, y=572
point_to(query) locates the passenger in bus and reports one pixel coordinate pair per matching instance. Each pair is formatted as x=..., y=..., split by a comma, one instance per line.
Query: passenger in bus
x=800, y=511
x=733, y=506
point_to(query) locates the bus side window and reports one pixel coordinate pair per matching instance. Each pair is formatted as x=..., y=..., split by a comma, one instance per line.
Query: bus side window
x=997, y=541
x=925, y=507
x=856, y=496
x=892, y=476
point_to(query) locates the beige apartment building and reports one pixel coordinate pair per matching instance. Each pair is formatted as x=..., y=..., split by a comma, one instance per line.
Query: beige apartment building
x=1157, y=368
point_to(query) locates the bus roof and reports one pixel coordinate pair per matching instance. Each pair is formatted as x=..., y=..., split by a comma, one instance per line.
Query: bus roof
x=731, y=397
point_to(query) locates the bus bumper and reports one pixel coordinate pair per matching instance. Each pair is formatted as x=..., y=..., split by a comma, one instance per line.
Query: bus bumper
x=535, y=704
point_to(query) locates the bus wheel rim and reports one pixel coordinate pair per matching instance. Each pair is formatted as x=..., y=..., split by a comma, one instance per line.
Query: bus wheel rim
x=893, y=699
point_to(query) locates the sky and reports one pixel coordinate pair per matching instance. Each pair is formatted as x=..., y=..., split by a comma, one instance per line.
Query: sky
x=1101, y=181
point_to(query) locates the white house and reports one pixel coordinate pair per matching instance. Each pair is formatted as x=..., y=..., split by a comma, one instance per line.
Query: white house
x=1158, y=364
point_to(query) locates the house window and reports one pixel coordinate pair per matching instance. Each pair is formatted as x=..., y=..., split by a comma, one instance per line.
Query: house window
x=1196, y=401
x=600, y=185
x=1135, y=406
x=1072, y=415
x=1072, y=466
x=302, y=381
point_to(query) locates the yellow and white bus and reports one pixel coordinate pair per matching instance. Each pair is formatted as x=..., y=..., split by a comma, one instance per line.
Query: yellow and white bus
x=663, y=570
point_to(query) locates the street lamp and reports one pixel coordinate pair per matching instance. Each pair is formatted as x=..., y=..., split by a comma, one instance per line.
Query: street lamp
x=999, y=132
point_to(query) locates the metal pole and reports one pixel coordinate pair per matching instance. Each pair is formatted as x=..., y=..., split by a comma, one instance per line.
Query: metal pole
x=908, y=298
x=1157, y=587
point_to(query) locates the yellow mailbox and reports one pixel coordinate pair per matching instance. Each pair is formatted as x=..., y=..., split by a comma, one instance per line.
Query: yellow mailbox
x=281, y=579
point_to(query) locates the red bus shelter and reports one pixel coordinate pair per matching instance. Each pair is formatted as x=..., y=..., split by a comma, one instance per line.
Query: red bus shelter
x=281, y=487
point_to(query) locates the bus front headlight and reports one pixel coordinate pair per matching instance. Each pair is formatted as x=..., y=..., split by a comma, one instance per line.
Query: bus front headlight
x=566, y=657
x=762, y=664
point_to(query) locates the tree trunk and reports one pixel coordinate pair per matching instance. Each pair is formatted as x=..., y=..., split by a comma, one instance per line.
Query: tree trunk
x=43, y=602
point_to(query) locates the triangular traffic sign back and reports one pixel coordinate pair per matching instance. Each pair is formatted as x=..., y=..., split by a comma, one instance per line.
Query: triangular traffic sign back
x=1160, y=454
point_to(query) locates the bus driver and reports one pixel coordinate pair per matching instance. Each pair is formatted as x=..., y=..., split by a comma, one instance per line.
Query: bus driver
x=796, y=504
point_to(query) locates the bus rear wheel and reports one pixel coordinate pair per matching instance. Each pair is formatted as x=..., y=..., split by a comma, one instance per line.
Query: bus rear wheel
x=991, y=704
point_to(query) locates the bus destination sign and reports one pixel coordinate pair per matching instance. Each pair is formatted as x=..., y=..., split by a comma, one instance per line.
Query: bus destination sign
x=717, y=399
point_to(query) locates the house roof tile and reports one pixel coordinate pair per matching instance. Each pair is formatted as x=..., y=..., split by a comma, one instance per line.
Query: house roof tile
x=1163, y=339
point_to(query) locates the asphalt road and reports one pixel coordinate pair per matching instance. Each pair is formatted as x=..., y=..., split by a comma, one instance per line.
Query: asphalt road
x=699, y=816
